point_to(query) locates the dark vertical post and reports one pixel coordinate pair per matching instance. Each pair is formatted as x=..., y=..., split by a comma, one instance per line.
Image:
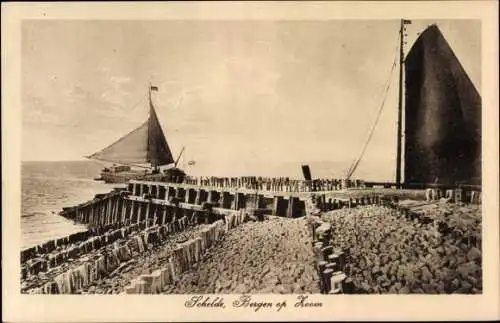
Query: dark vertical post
x=400, y=106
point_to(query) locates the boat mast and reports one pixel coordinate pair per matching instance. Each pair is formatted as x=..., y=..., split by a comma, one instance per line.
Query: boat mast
x=155, y=167
x=400, y=103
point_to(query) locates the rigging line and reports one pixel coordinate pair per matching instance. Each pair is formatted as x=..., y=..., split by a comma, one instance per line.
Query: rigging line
x=356, y=162
x=369, y=137
x=384, y=92
x=372, y=131
x=137, y=103
x=131, y=110
x=387, y=83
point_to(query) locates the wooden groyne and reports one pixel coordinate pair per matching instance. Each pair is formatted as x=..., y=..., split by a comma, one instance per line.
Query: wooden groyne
x=157, y=203
x=184, y=256
x=123, y=223
x=76, y=273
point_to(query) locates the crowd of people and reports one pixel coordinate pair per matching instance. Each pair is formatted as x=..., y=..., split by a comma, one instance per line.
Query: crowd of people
x=283, y=184
x=390, y=253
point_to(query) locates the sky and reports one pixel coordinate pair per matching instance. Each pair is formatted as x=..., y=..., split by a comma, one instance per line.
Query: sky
x=243, y=97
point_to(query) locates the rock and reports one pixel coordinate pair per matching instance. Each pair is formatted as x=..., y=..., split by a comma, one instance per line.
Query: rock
x=455, y=284
x=465, y=287
x=279, y=289
x=474, y=254
x=468, y=269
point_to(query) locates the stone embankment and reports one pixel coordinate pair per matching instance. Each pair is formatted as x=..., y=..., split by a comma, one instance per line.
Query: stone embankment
x=272, y=256
x=400, y=247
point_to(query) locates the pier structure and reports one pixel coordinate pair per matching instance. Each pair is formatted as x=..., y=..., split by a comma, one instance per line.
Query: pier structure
x=125, y=222
x=145, y=204
x=158, y=203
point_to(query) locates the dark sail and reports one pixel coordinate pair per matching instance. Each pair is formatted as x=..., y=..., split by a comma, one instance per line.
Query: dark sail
x=442, y=116
x=158, y=150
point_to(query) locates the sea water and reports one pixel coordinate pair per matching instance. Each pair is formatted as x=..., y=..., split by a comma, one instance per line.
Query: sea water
x=46, y=188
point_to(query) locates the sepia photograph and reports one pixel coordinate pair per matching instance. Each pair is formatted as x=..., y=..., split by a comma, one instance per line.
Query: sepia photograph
x=212, y=157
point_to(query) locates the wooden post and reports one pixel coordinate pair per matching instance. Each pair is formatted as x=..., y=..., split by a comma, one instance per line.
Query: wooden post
x=96, y=213
x=210, y=196
x=123, y=209
x=139, y=212
x=289, y=211
x=118, y=203
x=197, y=201
x=155, y=213
x=148, y=206
x=258, y=199
x=104, y=212
x=100, y=209
x=113, y=209
x=108, y=211
x=226, y=204
x=276, y=203
x=236, y=200
x=164, y=216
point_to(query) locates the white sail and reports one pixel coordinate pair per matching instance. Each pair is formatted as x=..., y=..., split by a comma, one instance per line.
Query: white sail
x=144, y=145
x=130, y=149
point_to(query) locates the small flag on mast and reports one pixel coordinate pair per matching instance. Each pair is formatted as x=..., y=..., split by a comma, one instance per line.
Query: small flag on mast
x=154, y=88
x=406, y=22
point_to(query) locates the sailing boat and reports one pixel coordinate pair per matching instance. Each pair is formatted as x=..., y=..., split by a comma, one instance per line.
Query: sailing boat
x=144, y=147
x=442, y=117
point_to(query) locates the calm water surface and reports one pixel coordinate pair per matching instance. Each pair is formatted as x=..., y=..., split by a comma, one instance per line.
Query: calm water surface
x=46, y=188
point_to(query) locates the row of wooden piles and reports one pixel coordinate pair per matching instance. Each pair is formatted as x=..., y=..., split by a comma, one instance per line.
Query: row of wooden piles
x=273, y=184
x=56, y=252
x=115, y=248
x=67, y=242
x=330, y=259
x=184, y=256
x=323, y=204
x=329, y=262
x=453, y=195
